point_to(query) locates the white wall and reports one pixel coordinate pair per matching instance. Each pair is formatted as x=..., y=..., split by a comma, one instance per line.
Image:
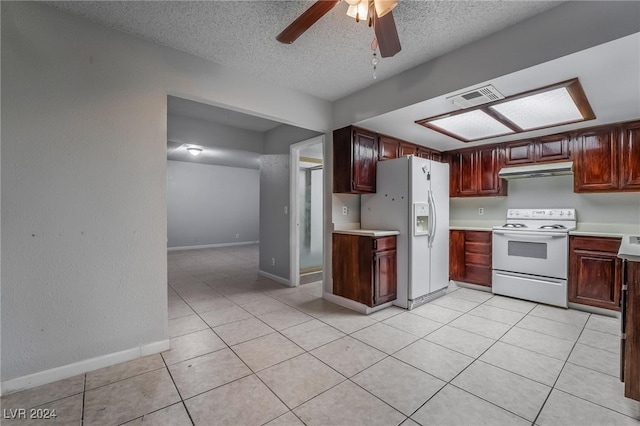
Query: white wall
x=84, y=182
x=210, y=205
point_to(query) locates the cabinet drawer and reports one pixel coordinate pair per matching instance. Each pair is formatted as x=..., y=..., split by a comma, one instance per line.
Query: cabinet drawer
x=477, y=237
x=478, y=259
x=477, y=248
x=384, y=243
x=604, y=244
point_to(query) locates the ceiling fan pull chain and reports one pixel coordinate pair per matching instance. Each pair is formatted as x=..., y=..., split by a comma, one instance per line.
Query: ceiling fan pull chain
x=374, y=61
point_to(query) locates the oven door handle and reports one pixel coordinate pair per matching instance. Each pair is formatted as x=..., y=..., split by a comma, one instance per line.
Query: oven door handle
x=527, y=277
x=541, y=235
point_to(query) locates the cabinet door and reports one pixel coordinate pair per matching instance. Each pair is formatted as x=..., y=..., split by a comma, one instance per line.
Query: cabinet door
x=594, y=272
x=552, y=148
x=365, y=158
x=424, y=153
x=456, y=255
x=385, y=276
x=488, y=165
x=408, y=149
x=630, y=158
x=437, y=156
x=597, y=165
x=466, y=178
x=388, y=148
x=519, y=153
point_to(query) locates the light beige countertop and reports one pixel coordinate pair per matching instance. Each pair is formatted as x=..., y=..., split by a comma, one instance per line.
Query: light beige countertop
x=474, y=225
x=367, y=232
x=614, y=230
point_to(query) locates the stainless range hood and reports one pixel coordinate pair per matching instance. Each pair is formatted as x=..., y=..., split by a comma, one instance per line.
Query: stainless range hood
x=537, y=170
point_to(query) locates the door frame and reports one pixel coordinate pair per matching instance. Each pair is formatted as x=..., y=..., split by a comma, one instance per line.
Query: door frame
x=294, y=204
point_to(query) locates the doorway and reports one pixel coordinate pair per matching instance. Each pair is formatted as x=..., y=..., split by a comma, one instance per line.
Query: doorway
x=306, y=200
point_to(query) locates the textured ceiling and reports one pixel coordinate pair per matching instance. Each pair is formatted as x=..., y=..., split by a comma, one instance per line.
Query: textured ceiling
x=331, y=60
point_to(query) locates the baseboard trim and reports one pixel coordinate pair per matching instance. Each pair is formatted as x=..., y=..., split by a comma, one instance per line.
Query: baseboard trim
x=243, y=243
x=275, y=278
x=81, y=367
x=345, y=303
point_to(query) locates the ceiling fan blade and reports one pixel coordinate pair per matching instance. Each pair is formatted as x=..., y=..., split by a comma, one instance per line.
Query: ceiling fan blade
x=387, y=35
x=306, y=20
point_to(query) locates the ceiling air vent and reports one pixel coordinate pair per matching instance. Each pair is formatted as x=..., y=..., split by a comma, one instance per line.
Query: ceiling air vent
x=476, y=97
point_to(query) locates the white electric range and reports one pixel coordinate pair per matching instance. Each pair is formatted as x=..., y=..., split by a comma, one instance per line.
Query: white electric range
x=531, y=255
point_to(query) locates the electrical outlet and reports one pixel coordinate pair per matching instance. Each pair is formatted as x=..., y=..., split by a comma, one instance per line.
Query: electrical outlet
x=237, y=236
x=345, y=210
x=286, y=210
x=273, y=261
x=480, y=211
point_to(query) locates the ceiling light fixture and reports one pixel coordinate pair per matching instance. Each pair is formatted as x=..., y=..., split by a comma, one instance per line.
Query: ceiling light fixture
x=555, y=105
x=359, y=9
x=194, y=150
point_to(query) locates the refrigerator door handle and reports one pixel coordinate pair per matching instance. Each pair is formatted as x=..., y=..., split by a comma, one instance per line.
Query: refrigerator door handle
x=432, y=217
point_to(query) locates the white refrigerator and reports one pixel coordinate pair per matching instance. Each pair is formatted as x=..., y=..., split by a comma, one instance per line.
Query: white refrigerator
x=412, y=197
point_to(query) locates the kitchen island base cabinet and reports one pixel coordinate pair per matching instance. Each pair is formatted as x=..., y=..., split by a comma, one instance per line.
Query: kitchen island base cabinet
x=365, y=268
x=632, y=332
x=594, y=271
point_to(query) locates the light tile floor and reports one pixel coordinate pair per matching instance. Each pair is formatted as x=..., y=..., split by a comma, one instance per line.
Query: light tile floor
x=249, y=351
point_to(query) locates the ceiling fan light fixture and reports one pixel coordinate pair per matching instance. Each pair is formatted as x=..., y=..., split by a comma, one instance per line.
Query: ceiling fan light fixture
x=358, y=9
x=384, y=6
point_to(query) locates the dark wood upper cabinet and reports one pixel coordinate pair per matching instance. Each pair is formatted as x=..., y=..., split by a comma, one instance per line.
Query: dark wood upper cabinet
x=474, y=173
x=388, y=148
x=355, y=156
x=596, y=168
x=519, y=153
x=543, y=150
x=488, y=167
x=424, y=153
x=407, y=148
x=630, y=158
x=552, y=148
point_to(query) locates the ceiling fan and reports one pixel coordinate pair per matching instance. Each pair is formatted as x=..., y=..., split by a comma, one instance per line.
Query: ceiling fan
x=377, y=12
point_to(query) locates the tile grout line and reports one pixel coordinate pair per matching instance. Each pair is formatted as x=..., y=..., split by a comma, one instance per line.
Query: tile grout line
x=561, y=370
x=177, y=390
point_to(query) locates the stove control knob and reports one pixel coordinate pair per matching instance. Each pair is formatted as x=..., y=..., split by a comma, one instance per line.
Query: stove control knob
x=568, y=212
x=517, y=213
x=561, y=213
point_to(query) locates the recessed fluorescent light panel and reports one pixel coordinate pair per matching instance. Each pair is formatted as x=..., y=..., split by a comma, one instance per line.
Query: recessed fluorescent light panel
x=471, y=125
x=561, y=103
x=542, y=110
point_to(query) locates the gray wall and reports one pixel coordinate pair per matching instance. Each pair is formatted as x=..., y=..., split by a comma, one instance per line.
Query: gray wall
x=210, y=205
x=274, y=223
x=274, y=197
x=200, y=132
x=551, y=192
x=84, y=119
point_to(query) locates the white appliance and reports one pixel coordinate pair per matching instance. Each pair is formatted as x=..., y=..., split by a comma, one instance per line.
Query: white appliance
x=530, y=255
x=413, y=198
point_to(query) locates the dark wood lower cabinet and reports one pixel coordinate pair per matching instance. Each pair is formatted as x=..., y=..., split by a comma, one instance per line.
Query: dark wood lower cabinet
x=470, y=256
x=365, y=268
x=631, y=364
x=595, y=271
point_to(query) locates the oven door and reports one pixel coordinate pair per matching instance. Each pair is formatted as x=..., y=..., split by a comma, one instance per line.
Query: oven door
x=536, y=253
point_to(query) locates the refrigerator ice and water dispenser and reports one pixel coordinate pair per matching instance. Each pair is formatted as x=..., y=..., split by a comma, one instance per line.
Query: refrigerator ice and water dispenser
x=420, y=219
